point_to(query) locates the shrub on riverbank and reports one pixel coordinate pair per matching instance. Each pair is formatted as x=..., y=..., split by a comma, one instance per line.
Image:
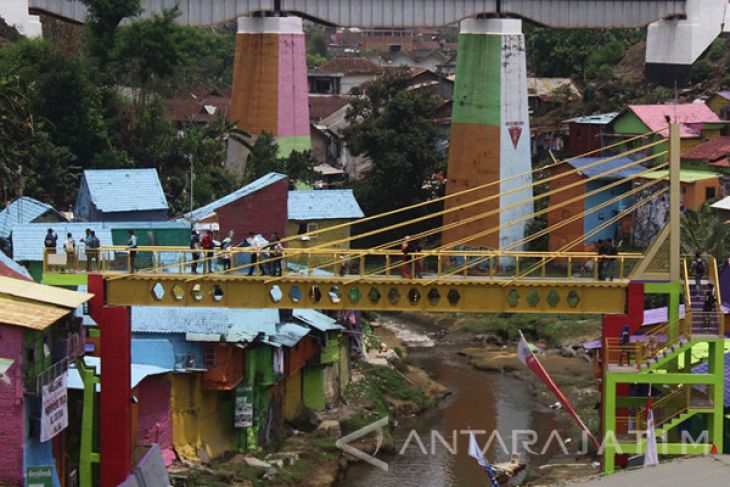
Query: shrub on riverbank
x=553, y=330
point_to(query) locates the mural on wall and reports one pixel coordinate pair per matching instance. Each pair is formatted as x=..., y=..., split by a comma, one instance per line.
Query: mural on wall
x=649, y=219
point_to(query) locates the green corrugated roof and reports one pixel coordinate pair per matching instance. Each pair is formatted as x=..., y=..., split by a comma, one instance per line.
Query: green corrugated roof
x=685, y=175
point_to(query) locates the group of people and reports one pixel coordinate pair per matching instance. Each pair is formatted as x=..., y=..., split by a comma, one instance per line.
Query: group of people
x=265, y=254
x=90, y=242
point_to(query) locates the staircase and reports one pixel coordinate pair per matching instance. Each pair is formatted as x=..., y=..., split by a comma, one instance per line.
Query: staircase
x=705, y=323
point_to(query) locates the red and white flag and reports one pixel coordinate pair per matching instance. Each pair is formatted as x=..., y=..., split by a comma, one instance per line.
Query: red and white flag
x=524, y=353
x=650, y=455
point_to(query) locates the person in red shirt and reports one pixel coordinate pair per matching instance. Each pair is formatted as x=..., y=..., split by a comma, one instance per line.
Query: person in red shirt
x=207, y=244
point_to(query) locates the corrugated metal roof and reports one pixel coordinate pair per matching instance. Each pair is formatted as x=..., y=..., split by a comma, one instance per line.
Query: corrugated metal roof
x=174, y=225
x=724, y=94
x=252, y=187
x=117, y=190
x=28, y=239
x=10, y=268
x=229, y=324
x=323, y=204
x=685, y=175
x=138, y=373
x=690, y=116
x=317, y=320
x=34, y=316
x=288, y=334
x=597, y=119
x=709, y=151
x=723, y=204
x=603, y=168
x=22, y=210
x=40, y=294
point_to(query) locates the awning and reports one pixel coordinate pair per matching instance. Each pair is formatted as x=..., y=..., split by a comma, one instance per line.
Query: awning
x=316, y=319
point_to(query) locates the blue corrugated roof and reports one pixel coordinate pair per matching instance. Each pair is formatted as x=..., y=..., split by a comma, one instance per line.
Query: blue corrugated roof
x=22, y=210
x=28, y=239
x=703, y=368
x=117, y=190
x=230, y=324
x=257, y=185
x=138, y=373
x=599, y=169
x=13, y=266
x=176, y=225
x=323, y=204
x=315, y=319
x=288, y=334
x=597, y=119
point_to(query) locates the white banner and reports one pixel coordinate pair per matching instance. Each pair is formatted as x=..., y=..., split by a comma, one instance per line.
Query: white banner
x=54, y=415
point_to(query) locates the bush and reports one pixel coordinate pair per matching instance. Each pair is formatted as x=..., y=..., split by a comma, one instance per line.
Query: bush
x=717, y=50
x=700, y=71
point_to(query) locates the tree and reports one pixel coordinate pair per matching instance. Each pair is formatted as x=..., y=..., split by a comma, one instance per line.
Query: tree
x=394, y=128
x=316, y=42
x=703, y=231
x=104, y=18
x=263, y=159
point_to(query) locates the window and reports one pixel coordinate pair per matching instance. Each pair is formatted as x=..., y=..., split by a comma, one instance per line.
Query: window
x=209, y=355
x=710, y=193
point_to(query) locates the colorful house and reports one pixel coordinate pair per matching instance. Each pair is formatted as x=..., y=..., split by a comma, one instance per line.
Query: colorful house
x=697, y=122
x=40, y=338
x=712, y=156
x=698, y=187
x=720, y=104
x=588, y=134
x=259, y=206
x=314, y=210
x=121, y=195
x=27, y=210
x=587, y=195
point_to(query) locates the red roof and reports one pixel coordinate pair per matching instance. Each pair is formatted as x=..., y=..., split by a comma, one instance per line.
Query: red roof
x=350, y=66
x=710, y=151
x=197, y=108
x=7, y=271
x=322, y=106
x=690, y=116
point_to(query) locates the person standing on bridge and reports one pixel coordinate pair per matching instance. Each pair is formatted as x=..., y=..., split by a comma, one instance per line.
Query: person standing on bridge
x=132, y=246
x=195, y=246
x=226, y=250
x=407, y=247
x=611, y=253
x=624, y=341
x=207, y=245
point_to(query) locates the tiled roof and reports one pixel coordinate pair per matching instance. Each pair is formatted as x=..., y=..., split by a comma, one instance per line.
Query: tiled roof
x=230, y=324
x=197, y=109
x=710, y=151
x=599, y=169
x=323, y=204
x=322, y=106
x=118, y=190
x=597, y=119
x=690, y=116
x=10, y=268
x=350, y=66
x=315, y=319
x=22, y=210
x=28, y=239
x=250, y=188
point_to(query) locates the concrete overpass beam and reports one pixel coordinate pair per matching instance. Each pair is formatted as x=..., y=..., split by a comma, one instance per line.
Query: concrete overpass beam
x=15, y=13
x=490, y=131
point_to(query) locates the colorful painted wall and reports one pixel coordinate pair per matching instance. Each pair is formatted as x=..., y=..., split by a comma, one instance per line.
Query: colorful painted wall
x=270, y=81
x=11, y=407
x=490, y=132
x=202, y=421
x=154, y=417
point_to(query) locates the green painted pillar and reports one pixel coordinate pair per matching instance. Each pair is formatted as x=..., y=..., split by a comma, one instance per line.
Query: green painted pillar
x=609, y=423
x=86, y=453
x=716, y=367
x=675, y=291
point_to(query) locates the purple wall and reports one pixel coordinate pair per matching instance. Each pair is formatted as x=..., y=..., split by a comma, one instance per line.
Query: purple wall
x=293, y=106
x=11, y=408
x=154, y=421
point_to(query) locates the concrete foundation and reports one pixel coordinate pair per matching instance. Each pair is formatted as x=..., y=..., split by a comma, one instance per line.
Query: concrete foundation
x=270, y=81
x=490, y=134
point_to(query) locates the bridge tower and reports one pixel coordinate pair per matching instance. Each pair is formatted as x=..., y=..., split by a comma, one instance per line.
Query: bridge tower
x=490, y=131
x=270, y=82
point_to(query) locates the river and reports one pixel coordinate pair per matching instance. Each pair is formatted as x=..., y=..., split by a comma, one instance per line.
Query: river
x=479, y=401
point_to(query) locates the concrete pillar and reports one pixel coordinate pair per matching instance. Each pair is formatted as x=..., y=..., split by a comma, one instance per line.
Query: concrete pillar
x=270, y=91
x=490, y=131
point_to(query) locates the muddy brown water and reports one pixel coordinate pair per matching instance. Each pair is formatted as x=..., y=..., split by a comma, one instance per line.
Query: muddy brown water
x=479, y=400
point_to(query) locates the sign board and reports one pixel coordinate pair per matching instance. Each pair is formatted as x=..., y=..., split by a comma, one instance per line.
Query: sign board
x=54, y=413
x=243, y=408
x=39, y=476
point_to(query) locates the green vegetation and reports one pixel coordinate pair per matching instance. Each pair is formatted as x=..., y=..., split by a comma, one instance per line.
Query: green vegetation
x=704, y=231
x=263, y=159
x=553, y=330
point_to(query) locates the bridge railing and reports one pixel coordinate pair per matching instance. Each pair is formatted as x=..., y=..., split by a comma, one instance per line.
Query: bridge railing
x=351, y=263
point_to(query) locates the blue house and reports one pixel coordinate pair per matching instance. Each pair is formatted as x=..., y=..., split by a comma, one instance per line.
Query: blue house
x=27, y=210
x=121, y=195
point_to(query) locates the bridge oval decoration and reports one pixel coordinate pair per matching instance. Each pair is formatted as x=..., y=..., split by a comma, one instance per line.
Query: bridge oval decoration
x=374, y=295
x=196, y=292
x=315, y=294
x=573, y=298
x=453, y=297
x=553, y=298
x=433, y=296
x=354, y=295
x=533, y=298
x=158, y=291
x=414, y=296
x=295, y=294
x=275, y=293
x=393, y=296
x=513, y=298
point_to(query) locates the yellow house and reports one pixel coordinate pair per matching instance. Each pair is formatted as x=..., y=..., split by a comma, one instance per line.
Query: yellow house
x=319, y=209
x=720, y=104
